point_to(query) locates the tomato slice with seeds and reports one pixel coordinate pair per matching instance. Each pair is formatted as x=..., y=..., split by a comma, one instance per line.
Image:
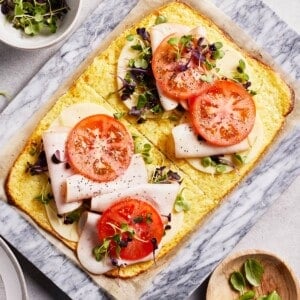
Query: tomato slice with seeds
x=177, y=76
x=223, y=114
x=135, y=224
x=100, y=148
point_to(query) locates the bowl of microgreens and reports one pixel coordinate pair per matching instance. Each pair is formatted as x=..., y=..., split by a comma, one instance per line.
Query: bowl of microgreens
x=253, y=274
x=35, y=24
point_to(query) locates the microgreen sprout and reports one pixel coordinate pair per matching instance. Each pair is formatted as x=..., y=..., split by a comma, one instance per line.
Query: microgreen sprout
x=45, y=196
x=242, y=77
x=118, y=115
x=251, y=275
x=164, y=175
x=180, y=203
x=143, y=148
x=179, y=44
x=160, y=19
x=39, y=167
x=123, y=234
x=34, y=17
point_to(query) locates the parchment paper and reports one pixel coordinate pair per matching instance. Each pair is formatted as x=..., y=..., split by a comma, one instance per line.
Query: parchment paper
x=133, y=288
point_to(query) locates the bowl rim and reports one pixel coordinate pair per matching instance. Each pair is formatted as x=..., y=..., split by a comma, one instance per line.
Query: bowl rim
x=59, y=37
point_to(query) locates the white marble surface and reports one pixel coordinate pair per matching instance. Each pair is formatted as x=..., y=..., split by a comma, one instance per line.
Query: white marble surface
x=277, y=230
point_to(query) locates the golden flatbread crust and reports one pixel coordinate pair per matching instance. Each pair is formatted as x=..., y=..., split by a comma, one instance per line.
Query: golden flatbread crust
x=204, y=192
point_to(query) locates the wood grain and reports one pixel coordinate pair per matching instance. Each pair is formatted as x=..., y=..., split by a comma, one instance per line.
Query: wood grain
x=277, y=276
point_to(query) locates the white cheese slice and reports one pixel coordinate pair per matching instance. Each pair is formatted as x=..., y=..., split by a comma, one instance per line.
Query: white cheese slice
x=162, y=196
x=78, y=187
x=187, y=144
x=58, y=173
x=71, y=115
x=230, y=61
x=67, y=231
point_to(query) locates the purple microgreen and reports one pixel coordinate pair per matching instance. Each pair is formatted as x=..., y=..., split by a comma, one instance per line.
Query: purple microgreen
x=163, y=175
x=39, y=167
x=173, y=176
x=55, y=158
x=143, y=33
x=168, y=227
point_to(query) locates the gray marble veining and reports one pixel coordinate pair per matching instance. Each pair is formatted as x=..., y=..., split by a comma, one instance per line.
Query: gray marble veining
x=227, y=225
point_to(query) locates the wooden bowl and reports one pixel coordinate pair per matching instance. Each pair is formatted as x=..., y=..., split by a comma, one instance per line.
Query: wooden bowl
x=277, y=276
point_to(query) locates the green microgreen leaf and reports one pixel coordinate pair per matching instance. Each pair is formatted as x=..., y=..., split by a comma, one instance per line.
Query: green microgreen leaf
x=218, y=45
x=238, y=159
x=142, y=100
x=141, y=63
x=174, y=41
x=242, y=66
x=206, y=161
x=180, y=203
x=130, y=37
x=253, y=271
x=32, y=16
x=271, y=296
x=160, y=19
x=253, y=93
x=101, y=251
x=118, y=115
x=249, y=295
x=237, y=281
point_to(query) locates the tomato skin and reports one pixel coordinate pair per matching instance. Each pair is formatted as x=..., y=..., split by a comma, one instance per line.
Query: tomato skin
x=223, y=114
x=171, y=77
x=100, y=148
x=136, y=213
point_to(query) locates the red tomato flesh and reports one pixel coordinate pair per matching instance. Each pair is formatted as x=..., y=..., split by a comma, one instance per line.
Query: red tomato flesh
x=100, y=148
x=138, y=215
x=223, y=114
x=172, y=77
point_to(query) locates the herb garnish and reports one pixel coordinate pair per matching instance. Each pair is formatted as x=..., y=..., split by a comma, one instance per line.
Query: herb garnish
x=111, y=246
x=242, y=77
x=180, y=203
x=139, y=81
x=253, y=273
x=164, y=175
x=39, y=167
x=160, y=19
x=34, y=16
x=180, y=44
x=143, y=148
x=45, y=196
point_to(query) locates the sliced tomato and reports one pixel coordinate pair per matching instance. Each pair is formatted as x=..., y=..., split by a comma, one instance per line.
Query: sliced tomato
x=100, y=148
x=177, y=75
x=223, y=114
x=140, y=228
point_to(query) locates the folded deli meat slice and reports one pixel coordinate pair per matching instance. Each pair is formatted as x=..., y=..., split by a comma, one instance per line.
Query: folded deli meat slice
x=54, y=145
x=78, y=187
x=199, y=148
x=161, y=196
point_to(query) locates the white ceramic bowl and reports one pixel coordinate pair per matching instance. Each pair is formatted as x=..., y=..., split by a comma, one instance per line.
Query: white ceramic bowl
x=16, y=38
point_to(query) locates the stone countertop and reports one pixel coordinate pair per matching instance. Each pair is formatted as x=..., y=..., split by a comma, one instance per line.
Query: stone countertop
x=276, y=231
